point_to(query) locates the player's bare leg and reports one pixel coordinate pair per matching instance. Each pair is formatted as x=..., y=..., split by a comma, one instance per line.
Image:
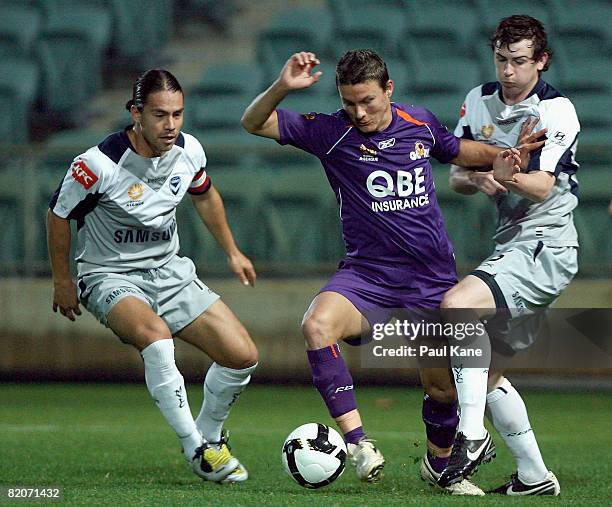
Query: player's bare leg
x=330, y=318
x=508, y=414
x=134, y=322
x=219, y=334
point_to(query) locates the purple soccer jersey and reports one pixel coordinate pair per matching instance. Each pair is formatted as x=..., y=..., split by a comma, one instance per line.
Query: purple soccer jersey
x=392, y=225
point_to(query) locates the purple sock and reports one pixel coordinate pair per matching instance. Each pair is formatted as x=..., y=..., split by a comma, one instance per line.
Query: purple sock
x=438, y=464
x=441, y=421
x=354, y=436
x=333, y=380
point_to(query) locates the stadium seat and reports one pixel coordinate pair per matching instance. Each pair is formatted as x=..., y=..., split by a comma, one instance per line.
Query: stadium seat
x=65, y=67
x=593, y=114
x=589, y=17
x=237, y=79
x=361, y=24
x=469, y=220
x=241, y=193
x=435, y=67
x=19, y=78
x=491, y=13
x=446, y=107
x=76, y=17
x=19, y=27
x=12, y=217
x=447, y=20
x=141, y=29
x=580, y=56
x=291, y=31
x=592, y=220
x=295, y=203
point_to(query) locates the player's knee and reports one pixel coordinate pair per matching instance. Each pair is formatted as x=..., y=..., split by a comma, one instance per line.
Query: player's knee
x=147, y=332
x=442, y=393
x=319, y=330
x=452, y=299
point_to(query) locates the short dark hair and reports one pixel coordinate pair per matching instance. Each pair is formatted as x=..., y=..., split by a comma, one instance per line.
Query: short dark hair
x=515, y=28
x=361, y=65
x=153, y=80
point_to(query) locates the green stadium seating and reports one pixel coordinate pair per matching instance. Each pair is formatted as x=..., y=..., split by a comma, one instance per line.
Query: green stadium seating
x=446, y=107
x=592, y=16
x=242, y=80
x=291, y=31
x=595, y=121
x=294, y=205
x=454, y=21
x=580, y=57
x=65, y=67
x=141, y=29
x=92, y=21
x=364, y=25
x=19, y=27
x=491, y=13
x=240, y=191
x=19, y=78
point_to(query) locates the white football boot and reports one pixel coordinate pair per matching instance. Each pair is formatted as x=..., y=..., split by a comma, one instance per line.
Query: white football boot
x=464, y=487
x=368, y=460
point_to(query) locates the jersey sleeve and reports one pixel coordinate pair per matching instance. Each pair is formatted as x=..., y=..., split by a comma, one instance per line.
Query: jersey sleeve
x=80, y=189
x=314, y=133
x=463, y=128
x=559, y=117
x=446, y=145
x=201, y=182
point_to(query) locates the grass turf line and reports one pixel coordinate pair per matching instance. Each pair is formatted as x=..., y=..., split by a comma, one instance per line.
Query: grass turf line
x=108, y=445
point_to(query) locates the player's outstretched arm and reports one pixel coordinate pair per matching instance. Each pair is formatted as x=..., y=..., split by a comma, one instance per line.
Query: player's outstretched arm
x=260, y=116
x=468, y=181
x=64, y=289
x=212, y=212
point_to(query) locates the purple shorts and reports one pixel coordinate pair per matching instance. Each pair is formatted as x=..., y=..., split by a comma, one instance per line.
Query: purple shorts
x=375, y=288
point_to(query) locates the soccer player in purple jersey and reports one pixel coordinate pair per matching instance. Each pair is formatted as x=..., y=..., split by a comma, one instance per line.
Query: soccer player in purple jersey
x=376, y=157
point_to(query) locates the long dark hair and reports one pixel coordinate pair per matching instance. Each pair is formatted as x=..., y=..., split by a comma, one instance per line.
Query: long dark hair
x=153, y=80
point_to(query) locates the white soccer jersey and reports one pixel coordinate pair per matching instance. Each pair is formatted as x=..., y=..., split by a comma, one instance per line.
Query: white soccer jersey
x=485, y=117
x=125, y=204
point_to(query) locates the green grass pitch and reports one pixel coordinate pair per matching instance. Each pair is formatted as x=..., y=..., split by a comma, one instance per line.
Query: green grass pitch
x=108, y=445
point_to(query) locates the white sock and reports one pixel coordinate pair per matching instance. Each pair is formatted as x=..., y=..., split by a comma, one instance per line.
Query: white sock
x=509, y=416
x=471, y=384
x=222, y=387
x=167, y=387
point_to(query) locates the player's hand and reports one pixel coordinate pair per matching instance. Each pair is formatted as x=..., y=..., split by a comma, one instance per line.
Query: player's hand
x=243, y=267
x=297, y=72
x=528, y=140
x=65, y=299
x=507, y=163
x=485, y=183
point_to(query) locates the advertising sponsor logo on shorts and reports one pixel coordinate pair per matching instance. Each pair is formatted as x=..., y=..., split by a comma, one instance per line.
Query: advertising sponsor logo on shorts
x=83, y=174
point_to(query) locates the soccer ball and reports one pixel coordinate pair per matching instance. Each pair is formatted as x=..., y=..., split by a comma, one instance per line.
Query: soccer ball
x=314, y=455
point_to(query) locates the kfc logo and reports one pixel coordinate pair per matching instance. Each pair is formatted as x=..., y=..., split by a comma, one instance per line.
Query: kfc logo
x=83, y=174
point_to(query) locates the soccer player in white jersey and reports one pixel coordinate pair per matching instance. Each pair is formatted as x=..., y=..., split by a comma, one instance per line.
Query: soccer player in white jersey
x=123, y=195
x=535, y=256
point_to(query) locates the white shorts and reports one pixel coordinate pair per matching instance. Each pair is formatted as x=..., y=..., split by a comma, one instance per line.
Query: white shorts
x=525, y=278
x=173, y=291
